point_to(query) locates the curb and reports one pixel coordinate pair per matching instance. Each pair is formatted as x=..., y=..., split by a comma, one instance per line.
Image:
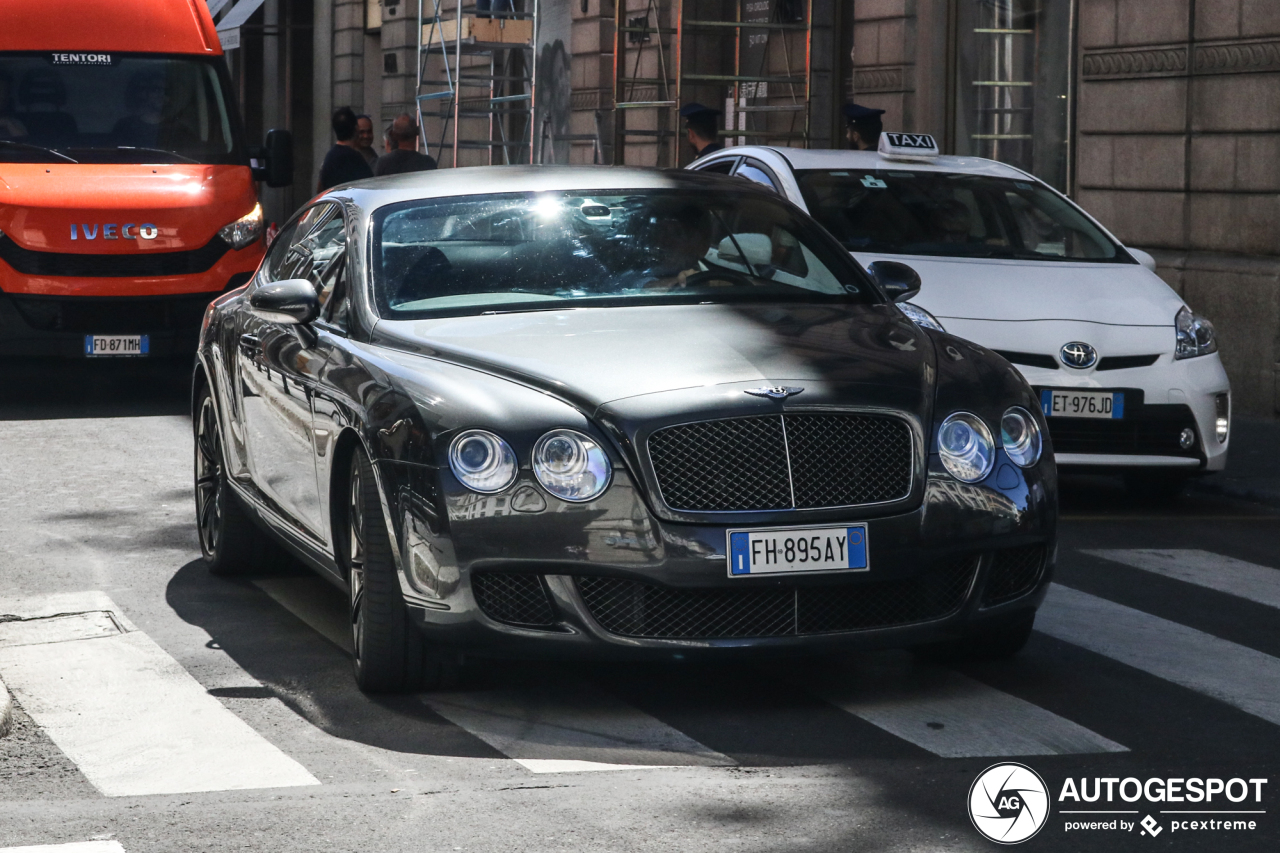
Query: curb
x=6, y=711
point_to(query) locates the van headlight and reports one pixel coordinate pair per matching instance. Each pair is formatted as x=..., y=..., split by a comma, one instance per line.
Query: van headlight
x=1020, y=437
x=571, y=466
x=1195, y=335
x=482, y=461
x=245, y=230
x=966, y=448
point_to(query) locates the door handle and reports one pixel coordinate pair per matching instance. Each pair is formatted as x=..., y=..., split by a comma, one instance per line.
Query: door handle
x=249, y=345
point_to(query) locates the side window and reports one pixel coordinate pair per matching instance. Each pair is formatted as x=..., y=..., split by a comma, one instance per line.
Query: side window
x=278, y=251
x=755, y=171
x=719, y=167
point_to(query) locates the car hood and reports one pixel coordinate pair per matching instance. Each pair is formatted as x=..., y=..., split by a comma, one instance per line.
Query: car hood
x=595, y=356
x=1004, y=290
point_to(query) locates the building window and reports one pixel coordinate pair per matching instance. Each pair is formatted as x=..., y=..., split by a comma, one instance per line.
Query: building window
x=1012, y=84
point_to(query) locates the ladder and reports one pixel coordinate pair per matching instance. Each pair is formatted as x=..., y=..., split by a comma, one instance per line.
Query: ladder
x=673, y=54
x=476, y=78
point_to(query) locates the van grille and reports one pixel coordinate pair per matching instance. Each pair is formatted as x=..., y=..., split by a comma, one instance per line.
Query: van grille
x=141, y=265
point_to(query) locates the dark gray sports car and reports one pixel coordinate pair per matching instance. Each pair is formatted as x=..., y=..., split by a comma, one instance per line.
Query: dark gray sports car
x=613, y=412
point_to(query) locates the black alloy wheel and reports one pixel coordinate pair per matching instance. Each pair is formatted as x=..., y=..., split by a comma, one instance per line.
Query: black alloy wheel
x=391, y=655
x=229, y=541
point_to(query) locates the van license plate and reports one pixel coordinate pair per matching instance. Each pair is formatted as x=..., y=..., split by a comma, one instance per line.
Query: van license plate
x=1058, y=403
x=108, y=345
x=797, y=549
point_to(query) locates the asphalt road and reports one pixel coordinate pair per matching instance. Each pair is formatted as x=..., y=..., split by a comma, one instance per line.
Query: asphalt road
x=151, y=713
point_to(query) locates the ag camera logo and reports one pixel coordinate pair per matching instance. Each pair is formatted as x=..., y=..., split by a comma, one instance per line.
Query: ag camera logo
x=1008, y=803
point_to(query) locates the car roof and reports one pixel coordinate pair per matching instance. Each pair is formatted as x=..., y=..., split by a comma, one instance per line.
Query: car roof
x=811, y=158
x=486, y=180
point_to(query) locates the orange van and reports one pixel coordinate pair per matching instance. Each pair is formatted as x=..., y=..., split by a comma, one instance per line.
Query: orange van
x=127, y=195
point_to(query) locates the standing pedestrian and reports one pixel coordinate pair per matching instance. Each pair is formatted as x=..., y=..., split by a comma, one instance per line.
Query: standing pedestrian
x=343, y=163
x=364, y=139
x=700, y=124
x=405, y=157
x=864, y=127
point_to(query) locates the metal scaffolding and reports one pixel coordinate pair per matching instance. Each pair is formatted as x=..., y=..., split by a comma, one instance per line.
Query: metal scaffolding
x=674, y=53
x=476, y=79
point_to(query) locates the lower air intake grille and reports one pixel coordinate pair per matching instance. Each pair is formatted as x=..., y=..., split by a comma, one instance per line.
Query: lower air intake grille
x=1014, y=572
x=514, y=599
x=793, y=461
x=634, y=609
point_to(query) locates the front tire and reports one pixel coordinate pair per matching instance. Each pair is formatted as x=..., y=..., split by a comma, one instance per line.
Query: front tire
x=229, y=541
x=391, y=655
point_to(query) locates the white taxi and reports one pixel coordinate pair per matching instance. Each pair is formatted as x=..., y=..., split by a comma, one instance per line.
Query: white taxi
x=1128, y=375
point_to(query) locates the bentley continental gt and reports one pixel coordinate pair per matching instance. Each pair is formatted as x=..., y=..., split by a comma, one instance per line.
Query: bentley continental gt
x=612, y=413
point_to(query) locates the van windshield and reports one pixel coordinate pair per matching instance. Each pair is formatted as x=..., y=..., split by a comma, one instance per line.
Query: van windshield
x=114, y=108
x=906, y=212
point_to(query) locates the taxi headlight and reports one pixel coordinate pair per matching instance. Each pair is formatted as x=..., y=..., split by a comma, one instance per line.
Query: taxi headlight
x=1020, y=437
x=1195, y=335
x=571, y=466
x=920, y=317
x=245, y=230
x=966, y=448
x=482, y=461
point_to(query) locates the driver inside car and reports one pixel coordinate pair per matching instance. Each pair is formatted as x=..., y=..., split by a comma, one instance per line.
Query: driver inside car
x=682, y=239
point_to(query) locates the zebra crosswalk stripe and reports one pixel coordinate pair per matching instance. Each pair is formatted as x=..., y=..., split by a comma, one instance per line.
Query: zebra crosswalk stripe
x=1235, y=674
x=1250, y=581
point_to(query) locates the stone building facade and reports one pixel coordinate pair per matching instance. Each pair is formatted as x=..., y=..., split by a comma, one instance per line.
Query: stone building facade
x=1161, y=117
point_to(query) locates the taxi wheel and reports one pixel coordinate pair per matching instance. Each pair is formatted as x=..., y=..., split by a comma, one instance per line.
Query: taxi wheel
x=229, y=540
x=391, y=655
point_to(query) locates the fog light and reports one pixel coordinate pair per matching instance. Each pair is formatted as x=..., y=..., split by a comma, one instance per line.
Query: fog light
x=1187, y=438
x=1222, y=409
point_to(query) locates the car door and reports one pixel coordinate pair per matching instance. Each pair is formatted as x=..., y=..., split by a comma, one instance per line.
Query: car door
x=278, y=367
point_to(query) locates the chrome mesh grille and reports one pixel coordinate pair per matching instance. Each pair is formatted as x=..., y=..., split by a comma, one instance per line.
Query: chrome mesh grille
x=772, y=462
x=635, y=609
x=513, y=599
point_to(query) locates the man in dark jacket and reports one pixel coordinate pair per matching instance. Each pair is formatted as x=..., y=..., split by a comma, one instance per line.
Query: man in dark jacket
x=404, y=156
x=700, y=124
x=343, y=163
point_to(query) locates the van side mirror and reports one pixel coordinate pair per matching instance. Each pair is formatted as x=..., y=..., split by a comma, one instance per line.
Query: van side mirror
x=899, y=281
x=273, y=162
x=290, y=302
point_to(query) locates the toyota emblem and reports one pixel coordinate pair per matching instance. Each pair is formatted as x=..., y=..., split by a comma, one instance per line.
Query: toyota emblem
x=1078, y=355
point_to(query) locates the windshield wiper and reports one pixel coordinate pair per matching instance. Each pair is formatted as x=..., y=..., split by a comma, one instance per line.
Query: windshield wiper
x=156, y=151
x=30, y=147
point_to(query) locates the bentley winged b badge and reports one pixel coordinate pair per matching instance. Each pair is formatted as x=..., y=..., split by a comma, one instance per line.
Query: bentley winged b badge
x=777, y=392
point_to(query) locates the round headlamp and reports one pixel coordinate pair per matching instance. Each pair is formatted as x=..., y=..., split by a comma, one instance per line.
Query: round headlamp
x=1020, y=437
x=571, y=466
x=482, y=461
x=966, y=448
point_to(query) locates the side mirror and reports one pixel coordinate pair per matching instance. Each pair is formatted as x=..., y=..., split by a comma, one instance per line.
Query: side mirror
x=899, y=281
x=1142, y=258
x=290, y=302
x=273, y=162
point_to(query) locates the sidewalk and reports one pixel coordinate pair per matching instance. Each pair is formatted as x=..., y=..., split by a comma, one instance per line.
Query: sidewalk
x=1253, y=464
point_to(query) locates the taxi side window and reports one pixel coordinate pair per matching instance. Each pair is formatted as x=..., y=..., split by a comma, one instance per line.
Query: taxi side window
x=719, y=167
x=755, y=171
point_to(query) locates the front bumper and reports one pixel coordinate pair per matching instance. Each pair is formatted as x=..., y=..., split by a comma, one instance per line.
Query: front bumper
x=610, y=580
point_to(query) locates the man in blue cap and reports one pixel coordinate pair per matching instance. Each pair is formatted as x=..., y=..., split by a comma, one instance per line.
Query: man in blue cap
x=864, y=128
x=701, y=126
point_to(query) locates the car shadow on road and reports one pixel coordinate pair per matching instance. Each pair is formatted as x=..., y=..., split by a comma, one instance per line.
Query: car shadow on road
x=46, y=389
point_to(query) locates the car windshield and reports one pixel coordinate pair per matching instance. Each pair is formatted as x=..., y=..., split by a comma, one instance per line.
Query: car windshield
x=517, y=252
x=113, y=108
x=904, y=212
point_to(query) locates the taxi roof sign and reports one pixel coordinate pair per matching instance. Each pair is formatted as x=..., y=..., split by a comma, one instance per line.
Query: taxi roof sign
x=907, y=146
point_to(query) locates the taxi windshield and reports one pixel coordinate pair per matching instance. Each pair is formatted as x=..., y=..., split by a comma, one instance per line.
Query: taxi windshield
x=516, y=252
x=905, y=212
x=114, y=108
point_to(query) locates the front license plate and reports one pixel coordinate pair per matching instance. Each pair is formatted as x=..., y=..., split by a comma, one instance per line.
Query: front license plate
x=100, y=345
x=1082, y=404
x=793, y=550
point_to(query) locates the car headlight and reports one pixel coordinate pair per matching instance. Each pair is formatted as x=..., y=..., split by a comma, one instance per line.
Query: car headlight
x=1195, y=335
x=966, y=448
x=571, y=466
x=245, y=230
x=482, y=461
x=1020, y=437
x=920, y=317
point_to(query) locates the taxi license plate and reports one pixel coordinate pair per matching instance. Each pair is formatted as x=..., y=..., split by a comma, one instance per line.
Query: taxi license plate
x=109, y=345
x=1108, y=405
x=797, y=549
